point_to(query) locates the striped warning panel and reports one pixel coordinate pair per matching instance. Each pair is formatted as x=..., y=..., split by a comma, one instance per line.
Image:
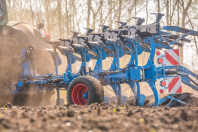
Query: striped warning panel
x=175, y=85
x=172, y=57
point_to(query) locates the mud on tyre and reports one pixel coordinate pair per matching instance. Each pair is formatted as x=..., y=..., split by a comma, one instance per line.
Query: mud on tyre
x=85, y=90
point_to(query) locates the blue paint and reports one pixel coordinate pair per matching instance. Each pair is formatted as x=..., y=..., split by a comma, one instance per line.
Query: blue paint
x=85, y=95
x=20, y=84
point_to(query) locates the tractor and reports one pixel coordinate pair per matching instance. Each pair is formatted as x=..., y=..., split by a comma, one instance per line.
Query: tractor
x=14, y=36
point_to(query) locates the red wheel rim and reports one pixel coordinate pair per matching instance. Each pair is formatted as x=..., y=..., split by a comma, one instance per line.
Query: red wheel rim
x=80, y=94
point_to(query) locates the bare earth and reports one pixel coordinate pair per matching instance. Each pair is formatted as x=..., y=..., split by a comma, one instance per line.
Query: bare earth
x=99, y=117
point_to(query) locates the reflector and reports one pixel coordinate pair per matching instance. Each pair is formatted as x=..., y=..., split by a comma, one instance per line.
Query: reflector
x=46, y=34
x=163, y=83
x=161, y=91
x=158, y=53
x=160, y=60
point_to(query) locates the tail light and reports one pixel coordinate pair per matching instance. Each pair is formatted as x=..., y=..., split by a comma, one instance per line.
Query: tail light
x=163, y=83
x=158, y=53
x=46, y=34
x=161, y=91
x=161, y=60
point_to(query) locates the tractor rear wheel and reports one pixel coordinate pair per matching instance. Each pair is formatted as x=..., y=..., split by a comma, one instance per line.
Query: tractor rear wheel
x=41, y=99
x=85, y=90
x=9, y=49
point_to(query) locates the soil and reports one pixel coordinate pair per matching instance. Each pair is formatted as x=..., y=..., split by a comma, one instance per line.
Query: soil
x=99, y=117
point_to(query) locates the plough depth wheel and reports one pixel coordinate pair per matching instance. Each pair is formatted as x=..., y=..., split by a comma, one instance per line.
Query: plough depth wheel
x=85, y=90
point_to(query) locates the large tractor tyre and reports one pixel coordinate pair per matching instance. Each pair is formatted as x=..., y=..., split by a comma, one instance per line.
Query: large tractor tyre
x=10, y=51
x=42, y=98
x=31, y=100
x=20, y=99
x=9, y=70
x=85, y=90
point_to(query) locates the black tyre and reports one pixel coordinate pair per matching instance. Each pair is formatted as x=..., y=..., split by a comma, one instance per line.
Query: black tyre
x=20, y=99
x=9, y=70
x=6, y=78
x=85, y=90
x=41, y=99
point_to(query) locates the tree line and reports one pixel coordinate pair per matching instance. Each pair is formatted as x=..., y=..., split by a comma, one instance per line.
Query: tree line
x=62, y=16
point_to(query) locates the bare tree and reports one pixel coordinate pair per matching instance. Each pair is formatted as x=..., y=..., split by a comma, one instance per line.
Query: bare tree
x=167, y=12
x=88, y=12
x=95, y=13
x=184, y=14
x=59, y=17
x=110, y=13
x=158, y=6
x=32, y=12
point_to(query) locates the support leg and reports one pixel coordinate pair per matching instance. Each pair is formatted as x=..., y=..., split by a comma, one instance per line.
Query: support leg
x=98, y=66
x=119, y=94
x=115, y=63
x=139, y=98
x=133, y=87
x=155, y=92
x=117, y=91
x=138, y=94
x=58, y=97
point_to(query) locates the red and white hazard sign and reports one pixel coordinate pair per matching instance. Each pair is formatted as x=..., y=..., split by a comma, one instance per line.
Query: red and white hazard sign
x=172, y=57
x=175, y=85
x=172, y=85
x=168, y=58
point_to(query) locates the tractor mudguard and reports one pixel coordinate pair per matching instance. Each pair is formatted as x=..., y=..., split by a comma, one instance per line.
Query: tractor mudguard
x=28, y=35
